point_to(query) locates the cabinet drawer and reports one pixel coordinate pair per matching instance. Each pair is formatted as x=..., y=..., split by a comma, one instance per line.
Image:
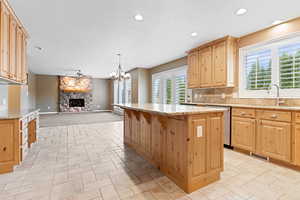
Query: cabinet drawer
x=297, y=117
x=275, y=115
x=243, y=112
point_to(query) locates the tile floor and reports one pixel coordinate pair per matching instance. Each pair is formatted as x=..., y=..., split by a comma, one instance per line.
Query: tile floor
x=90, y=162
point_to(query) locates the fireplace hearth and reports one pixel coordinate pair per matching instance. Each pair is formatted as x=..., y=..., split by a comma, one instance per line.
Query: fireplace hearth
x=76, y=103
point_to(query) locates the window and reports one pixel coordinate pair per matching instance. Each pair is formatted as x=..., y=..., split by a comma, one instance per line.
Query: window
x=169, y=87
x=124, y=93
x=276, y=62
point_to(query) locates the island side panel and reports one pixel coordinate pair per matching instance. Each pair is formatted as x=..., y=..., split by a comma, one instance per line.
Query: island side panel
x=205, y=149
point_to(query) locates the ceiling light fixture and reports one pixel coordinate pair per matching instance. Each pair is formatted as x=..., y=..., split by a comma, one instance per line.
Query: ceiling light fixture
x=138, y=17
x=194, y=34
x=241, y=11
x=277, y=22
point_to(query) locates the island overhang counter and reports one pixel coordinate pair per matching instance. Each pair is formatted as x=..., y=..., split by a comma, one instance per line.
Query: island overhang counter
x=184, y=142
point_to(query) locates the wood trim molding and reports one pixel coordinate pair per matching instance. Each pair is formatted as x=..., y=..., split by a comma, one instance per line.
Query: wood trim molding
x=270, y=33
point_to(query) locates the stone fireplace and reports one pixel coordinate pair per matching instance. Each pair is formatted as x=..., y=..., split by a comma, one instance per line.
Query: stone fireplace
x=75, y=95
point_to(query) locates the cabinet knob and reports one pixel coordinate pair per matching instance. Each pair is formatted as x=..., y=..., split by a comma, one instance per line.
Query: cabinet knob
x=4, y=148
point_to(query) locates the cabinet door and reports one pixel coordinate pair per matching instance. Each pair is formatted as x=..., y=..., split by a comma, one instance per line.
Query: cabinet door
x=216, y=142
x=135, y=126
x=145, y=121
x=24, y=59
x=219, y=64
x=127, y=127
x=19, y=54
x=199, y=147
x=175, y=155
x=193, y=70
x=13, y=47
x=243, y=133
x=205, y=60
x=31, y=132
x=275, y=139
x=296, y=146
x=4, y=41
x=7, y=139
x=159, y=131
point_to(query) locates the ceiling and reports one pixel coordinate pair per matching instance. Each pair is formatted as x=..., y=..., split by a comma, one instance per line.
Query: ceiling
x=88, y=34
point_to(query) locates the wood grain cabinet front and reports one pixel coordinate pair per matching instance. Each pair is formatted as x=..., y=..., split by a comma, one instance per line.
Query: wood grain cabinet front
x=243, y=133
x=274, y=139
x=296, y=144
x=9, y=145
x=212, y=64
x=193, y=70
x=13, y=44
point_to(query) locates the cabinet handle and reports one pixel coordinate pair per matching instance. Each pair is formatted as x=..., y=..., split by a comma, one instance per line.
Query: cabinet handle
x=4, y=148
x=274, y=116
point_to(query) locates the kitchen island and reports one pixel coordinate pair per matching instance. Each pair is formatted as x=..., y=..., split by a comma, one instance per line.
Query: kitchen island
x=184, y=142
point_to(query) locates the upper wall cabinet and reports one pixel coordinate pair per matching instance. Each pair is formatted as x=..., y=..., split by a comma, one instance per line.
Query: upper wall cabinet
x=13, y=57
x=212, y=64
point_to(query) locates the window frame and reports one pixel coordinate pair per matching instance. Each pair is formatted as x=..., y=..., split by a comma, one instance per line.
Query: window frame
x=274, y=46
x=163, y=76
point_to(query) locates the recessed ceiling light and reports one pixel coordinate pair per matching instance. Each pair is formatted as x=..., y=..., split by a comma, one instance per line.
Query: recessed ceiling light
x=194, y=34
x=277, y=22
x=241, y=11
x=139, y=17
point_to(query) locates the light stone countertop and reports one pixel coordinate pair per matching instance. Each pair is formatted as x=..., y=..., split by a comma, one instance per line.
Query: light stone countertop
x=291, y=108
x=17, y=114
x=170, y=109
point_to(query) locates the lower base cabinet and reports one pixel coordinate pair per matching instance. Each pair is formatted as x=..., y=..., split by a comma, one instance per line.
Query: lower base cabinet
x=188, y=149
x=296, y=144
x=243, y=133
x=274, y=140
x=9, y=145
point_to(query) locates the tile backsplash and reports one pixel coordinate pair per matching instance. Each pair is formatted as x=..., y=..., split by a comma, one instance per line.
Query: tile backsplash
x=3, y=97
x=230, y=96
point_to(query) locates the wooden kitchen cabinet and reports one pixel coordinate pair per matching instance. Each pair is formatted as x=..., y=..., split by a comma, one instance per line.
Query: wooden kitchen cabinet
x=274, y=139
x=145, y=134
x=127, y=127
x=9, y=145
x=13, y=44
x=13, y=48
x=205, y=65
x=219, y=69
x=5, y=30
x=193, y=70
x=135, y=130
x=159, y=131
x=243, y=133
x=213, y=65
x=296, y=144
x=175, y=155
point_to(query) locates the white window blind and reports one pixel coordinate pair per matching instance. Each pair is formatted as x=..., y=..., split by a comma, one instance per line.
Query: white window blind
x=274, y=62
x=169, y=87
x=258, y=70
x=128, y=91
x=168, y=91
x=180, y=91
x=289, y=64
x=156, y=90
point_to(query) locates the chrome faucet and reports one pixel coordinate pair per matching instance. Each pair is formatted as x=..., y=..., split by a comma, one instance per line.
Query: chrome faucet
x=278, y=102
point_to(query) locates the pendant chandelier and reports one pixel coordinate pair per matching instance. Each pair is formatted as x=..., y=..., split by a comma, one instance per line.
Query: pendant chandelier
x=119, y=74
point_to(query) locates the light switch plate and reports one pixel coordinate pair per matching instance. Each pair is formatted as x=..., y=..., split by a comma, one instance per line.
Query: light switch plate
x=199, y=131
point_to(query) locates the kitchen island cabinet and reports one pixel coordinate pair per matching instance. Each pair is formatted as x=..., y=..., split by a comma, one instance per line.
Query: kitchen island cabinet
x=184, y=142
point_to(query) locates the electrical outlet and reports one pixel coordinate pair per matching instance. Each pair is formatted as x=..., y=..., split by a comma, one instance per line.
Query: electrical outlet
x=4, y=102
x=49, y=107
